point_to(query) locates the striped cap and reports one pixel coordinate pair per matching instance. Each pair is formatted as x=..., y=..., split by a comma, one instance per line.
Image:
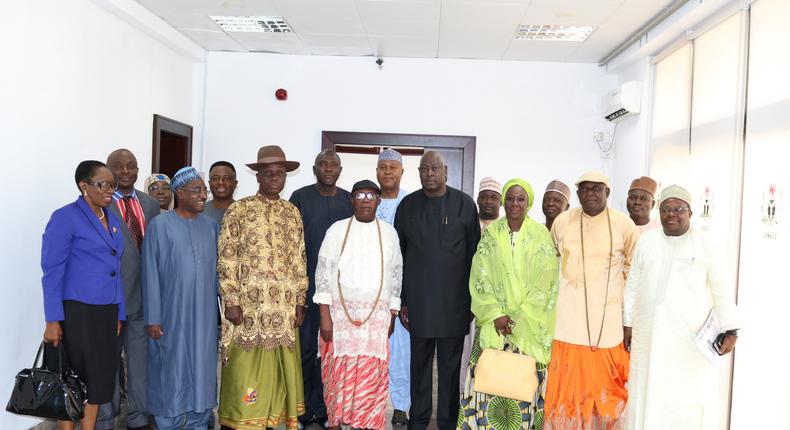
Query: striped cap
x=558, y=187
x=490, y=184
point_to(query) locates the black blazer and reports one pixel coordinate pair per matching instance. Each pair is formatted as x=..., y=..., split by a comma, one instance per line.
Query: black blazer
x=438, y=238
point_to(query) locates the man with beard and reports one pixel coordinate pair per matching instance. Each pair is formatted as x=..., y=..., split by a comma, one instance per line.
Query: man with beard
x=489, y=197
x=179, y=290
x=135, y=209
x=222, y=181
x=641, y=200
x=589, y=364
x=320, y=204
x=438, y=230
x=555, y=201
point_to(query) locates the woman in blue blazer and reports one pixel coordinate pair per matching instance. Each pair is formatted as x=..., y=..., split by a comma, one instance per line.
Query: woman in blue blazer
x=83, y=292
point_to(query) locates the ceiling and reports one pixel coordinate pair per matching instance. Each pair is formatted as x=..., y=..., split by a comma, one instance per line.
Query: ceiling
x=479, y=29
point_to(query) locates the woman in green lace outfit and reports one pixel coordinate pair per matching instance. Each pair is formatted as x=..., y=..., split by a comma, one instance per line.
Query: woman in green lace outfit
x=514, y=285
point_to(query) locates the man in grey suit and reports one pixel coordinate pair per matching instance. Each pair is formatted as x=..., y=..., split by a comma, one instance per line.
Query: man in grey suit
x=135, y=209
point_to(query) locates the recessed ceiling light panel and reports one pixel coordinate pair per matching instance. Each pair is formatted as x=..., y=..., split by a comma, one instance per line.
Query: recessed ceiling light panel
x=565, y=33
x=252, y=24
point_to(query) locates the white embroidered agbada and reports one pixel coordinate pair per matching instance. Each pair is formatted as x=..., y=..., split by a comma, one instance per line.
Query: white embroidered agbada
x=360, y=276
x=671, y=288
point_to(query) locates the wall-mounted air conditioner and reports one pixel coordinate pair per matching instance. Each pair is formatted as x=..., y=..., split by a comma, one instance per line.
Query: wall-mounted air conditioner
x=622, y=102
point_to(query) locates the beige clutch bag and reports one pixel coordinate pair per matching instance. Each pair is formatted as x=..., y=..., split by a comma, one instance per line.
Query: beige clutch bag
x=506, y=374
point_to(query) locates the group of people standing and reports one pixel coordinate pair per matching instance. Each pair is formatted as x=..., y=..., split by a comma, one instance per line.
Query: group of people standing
x=333, y=302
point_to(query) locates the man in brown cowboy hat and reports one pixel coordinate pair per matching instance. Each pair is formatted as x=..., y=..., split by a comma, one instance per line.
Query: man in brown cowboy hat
x=321, y=204
x=263, y=281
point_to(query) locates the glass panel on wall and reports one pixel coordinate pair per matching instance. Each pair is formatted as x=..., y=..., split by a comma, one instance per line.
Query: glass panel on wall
x=761, y=381
x=669, y=143
x=714, y=176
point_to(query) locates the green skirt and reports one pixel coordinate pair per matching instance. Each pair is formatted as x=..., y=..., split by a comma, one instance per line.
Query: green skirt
x=262, y=388
x=480, y=411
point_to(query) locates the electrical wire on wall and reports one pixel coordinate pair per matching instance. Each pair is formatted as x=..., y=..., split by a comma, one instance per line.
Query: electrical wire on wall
x=606, y=149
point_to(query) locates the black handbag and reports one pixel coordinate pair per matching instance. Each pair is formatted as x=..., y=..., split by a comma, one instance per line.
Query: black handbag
x=45, y=393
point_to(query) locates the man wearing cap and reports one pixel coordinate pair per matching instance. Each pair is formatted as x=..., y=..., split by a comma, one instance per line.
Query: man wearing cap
x=438, y=230
x=179, y=301
x=672, y=288
x=555, y=201
x=589, y=364
x=263, y=281
x=358, y=283
x=321, y=204
x=389, y=171
x=641, y=200
x=489, y=197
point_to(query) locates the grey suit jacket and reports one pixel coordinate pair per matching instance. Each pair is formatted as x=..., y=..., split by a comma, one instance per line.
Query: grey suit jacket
x=130, y=260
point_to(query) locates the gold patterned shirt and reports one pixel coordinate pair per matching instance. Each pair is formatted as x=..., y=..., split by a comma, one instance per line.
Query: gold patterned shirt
x=263, y=269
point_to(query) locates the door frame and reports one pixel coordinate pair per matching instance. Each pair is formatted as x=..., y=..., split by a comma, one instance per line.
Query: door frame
x=163, y=123
x=330, y=139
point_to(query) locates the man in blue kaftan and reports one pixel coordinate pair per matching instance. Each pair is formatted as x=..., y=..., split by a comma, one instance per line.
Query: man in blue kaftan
x=180, y=301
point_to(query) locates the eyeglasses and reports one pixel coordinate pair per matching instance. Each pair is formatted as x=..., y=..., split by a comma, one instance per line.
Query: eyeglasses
x=369, y=195
x=103, y=185
x=198, y=191
x=432, y=169
x=156, y=188
x=677, y=211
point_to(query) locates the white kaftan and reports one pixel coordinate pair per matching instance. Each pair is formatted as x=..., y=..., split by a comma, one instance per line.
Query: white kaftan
x=671, y=288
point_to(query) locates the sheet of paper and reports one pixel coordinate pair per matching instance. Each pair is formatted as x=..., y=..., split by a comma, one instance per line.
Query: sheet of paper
x=706, y=336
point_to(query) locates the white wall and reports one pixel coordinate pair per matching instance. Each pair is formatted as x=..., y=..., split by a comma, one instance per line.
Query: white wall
x=76, y=83
x=533, y=120
x=631, y=138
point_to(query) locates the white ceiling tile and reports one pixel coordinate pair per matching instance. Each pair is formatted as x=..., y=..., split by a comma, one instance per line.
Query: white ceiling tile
x=403, y=28
x=570, y=4
x=478, y=30
x=593, y=16
x=214, y=40
x=540, y=50
x=214, y=7
x=398, y=46
x=397, y=10
x=327, y=44
x=284, y=43
x=400, y=18
x=195, y=21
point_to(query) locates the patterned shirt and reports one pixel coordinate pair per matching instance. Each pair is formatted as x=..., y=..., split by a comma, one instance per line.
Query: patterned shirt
x=263, y=269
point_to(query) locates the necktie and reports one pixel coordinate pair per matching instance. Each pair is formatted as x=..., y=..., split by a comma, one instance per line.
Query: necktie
x=135, y=230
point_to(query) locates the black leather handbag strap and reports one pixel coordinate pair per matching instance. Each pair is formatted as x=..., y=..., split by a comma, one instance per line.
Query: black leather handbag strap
x=63, y=365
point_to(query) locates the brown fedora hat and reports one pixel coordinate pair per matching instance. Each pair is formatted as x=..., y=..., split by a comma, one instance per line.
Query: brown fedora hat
x=272, y=154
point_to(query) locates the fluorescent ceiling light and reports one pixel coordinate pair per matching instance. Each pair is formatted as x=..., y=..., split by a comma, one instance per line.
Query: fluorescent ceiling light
x=252, y=24
x=566, y=33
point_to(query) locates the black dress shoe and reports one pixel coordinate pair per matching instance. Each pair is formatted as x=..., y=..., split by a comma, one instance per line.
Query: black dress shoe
x=399, y=418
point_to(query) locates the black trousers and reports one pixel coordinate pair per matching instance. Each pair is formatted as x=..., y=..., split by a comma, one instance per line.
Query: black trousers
x=448, y=351
x=311, y=365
